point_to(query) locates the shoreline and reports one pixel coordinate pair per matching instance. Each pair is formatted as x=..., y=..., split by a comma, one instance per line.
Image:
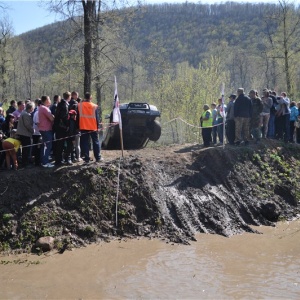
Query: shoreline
x=165, y=192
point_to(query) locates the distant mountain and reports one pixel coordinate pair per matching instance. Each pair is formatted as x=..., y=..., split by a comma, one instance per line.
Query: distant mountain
x=143, y=44
x=185, y=31
x=46, y=44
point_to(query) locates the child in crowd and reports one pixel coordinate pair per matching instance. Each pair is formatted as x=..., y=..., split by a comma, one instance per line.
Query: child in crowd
x=11, y=145
x=8, y=124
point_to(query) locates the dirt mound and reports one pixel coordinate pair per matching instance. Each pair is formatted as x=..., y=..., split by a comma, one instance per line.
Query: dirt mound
x=169, y=192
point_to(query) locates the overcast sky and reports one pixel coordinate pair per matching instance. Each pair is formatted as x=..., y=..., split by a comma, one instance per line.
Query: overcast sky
x=28, y=15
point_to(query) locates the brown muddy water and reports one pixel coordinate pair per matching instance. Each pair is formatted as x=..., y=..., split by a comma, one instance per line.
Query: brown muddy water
x=248, y=266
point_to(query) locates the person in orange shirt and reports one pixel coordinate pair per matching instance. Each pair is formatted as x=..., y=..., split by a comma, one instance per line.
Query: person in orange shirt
x=88, y=126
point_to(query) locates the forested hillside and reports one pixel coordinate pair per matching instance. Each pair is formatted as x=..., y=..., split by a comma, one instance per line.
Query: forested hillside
x=173, y=55
x=188, y=31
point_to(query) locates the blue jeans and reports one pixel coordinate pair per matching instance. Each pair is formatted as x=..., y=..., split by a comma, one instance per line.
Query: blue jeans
x=271, y=127
x=46, y=146
x=286, y=137
x=84, y=142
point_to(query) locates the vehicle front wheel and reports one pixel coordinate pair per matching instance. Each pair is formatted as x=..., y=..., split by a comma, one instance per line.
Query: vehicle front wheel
x=155, y=128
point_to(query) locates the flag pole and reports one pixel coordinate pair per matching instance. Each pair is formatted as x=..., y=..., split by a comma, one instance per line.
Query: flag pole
x=117, y=118
x=118, y=187
x=117, y=115
x=224, y=114
x=121, y=139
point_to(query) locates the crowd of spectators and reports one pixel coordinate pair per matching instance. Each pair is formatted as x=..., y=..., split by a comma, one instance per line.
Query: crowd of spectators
x=251, y=117
x=41, y=133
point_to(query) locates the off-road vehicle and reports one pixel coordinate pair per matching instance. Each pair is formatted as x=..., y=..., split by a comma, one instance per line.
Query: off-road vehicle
x=139, y=125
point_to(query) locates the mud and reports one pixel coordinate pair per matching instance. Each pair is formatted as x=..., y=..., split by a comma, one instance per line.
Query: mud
x=165, y=192
x=247, y=266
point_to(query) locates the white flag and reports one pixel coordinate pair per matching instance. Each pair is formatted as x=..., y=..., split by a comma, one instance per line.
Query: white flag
x=116, y=111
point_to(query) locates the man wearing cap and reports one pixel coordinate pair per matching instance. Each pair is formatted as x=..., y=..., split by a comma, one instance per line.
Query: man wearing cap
x=242, y=117
x=230, y=125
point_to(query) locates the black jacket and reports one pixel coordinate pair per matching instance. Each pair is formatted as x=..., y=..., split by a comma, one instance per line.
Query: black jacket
x=61, y=120
x=242, y=107
x=10, y=110
x=73, y=104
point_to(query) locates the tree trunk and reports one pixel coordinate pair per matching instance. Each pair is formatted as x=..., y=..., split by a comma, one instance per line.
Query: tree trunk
x=286, y=55
x=89, y=11
x=4, y=38
x=97, y=59
x=285, y=41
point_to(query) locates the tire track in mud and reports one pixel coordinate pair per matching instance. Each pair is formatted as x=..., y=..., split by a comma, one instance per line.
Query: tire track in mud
x=204, y=194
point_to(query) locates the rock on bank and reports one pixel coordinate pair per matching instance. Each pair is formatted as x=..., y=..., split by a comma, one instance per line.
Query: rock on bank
x=167, y=192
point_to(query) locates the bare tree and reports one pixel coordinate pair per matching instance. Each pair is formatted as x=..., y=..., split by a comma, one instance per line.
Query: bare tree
x=71, y=10
x=89, y=19
x=5, y=36
x=3, y=7
x=283, y=35
x=89, y=9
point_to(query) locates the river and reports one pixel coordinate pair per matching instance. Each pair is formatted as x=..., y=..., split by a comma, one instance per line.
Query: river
x=248, y=266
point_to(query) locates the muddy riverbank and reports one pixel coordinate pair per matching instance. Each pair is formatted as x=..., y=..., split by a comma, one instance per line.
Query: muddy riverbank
x=167, y=192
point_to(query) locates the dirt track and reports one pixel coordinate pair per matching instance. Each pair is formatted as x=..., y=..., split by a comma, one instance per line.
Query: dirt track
x=168, y=192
